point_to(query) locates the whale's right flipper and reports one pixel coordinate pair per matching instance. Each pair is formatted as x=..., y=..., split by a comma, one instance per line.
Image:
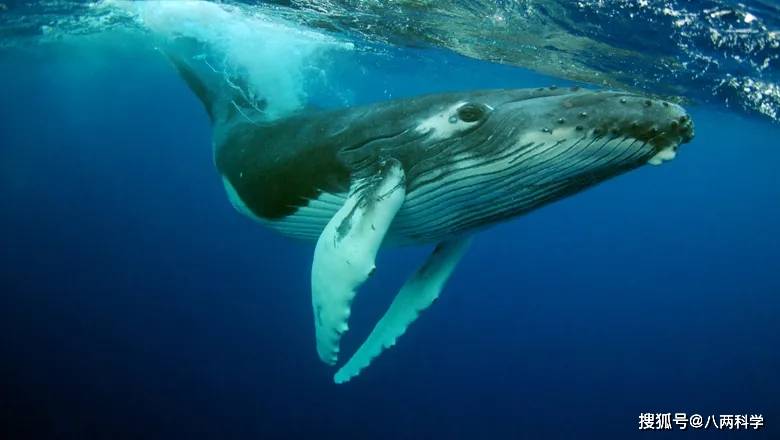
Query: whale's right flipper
x=345, y=252
x=416, y=295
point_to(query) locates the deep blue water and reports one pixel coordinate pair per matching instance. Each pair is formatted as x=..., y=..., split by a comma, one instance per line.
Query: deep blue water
x=136, y=303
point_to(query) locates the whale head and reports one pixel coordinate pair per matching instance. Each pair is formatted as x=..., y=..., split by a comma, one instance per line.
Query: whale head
x=612, y=123
x=549, y=121
x=475, y=158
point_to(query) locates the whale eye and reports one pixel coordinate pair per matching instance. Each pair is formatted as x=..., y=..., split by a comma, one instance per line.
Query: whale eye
x=471, y=112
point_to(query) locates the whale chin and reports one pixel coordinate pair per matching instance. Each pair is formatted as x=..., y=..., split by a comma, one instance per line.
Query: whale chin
x=663, y=155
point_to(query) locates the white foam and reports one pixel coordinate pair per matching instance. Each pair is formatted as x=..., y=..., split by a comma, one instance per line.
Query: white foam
x=273, y=54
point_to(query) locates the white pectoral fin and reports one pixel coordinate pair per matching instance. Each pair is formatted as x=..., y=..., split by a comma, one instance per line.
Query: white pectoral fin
x=345, y=252
x=416, y=295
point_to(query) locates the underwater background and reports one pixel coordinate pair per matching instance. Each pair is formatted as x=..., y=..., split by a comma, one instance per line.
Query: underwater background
x=136, y=303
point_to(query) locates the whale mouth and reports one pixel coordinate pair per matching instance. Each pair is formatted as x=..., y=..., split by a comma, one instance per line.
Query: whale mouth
x=679, y=131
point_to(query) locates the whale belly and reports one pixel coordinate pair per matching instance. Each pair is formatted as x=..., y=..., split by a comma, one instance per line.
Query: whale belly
x=429, y=215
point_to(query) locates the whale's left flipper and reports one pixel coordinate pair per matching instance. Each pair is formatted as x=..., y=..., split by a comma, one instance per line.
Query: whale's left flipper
x=416, y=295
x=345, y=252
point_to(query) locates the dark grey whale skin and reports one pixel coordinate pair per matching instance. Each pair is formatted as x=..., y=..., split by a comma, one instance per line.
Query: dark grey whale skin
x=276, y=168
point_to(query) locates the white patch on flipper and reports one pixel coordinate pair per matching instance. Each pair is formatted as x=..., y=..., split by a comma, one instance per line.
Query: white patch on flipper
x=417, y=294
x=345, y=253
x=664, y=155
x=440, y=126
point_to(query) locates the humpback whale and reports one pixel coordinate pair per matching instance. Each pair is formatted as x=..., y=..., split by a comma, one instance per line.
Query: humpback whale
x=431, y=169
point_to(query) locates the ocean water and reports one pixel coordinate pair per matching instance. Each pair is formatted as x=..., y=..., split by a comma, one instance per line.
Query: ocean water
x=135, y=302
